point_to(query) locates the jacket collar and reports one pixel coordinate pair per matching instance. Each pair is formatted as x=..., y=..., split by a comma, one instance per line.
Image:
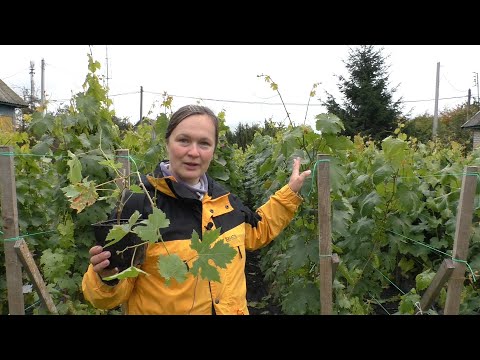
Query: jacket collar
x=162, y=183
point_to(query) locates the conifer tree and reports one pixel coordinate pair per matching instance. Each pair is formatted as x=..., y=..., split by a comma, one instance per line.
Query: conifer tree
x=368, y=108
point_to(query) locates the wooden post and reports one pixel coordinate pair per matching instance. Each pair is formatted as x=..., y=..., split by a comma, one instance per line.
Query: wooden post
x=26, y=258
x=325, y=234
x=462, y=238
x=441, y=277
x=8, y=190
x=124, y=170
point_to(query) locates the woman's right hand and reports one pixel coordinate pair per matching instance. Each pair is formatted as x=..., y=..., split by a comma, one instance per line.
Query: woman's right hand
x=99, y=261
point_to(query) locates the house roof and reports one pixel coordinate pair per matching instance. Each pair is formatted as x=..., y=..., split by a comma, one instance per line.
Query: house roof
x=473, y=122
x=10, y=97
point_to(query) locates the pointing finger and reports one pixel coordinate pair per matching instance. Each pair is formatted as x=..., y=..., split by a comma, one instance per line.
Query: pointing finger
x=296, y=166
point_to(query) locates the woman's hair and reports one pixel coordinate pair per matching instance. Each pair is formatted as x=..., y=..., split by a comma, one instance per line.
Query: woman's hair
x=186, y=111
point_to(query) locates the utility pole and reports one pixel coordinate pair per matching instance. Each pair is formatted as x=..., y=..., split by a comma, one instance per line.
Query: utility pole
x=468, y=103
x=32, y=85
x=106, y=55
x=43, y=84
x=141, y=103
x=475, y=82
x=435, y=114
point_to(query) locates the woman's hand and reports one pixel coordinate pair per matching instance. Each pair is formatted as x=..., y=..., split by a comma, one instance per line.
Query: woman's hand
x=99, y=260
x=297, y=179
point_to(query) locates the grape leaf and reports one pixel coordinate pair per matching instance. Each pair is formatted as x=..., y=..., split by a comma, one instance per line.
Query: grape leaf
x=111, y=164
x=81, y=194
x=136, y=189
x=56, y=264
x=75, y=173
x=172, y=267
x=221, y=254
x=132, y=271
x=424, y=279
x=119, y=231
x=303, y=296
x=150, y=231
x=66, y=233
x=297, y=251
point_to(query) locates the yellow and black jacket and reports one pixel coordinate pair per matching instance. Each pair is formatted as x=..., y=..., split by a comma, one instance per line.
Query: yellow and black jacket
x=242, y=228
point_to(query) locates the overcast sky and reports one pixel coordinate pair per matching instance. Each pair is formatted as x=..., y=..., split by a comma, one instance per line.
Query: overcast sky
x=224, y=77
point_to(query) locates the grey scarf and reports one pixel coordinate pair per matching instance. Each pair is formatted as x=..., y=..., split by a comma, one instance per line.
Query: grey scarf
x=200, y=189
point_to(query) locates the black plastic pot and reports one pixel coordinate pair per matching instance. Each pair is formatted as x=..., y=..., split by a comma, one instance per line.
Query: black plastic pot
x=119, y=259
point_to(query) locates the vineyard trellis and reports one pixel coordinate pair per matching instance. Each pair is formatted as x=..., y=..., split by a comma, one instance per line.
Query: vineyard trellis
x=451, y=270
x=16, y=249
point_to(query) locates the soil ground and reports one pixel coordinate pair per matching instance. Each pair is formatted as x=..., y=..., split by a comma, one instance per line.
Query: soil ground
x=258, y=299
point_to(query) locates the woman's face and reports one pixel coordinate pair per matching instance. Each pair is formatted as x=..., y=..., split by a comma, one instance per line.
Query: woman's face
x=190, y=148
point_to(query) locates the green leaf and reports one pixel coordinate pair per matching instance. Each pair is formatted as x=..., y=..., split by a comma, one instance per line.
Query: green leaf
x=362, y=226
x=368, y=203
x=424, y=279
x=298, y=251
x=111, y=164
x=409, y=303
x=328, y=124
x=117, y=233
x=75, y=173
x=343, y=301
x=42, y=148
x=130, y=272
x=66, y=232
x=134, y=218
x=150, y=231
x=407, y=199
x=172, y=267
x=362, y=179
x=136, y=189
x=382, y=173
x=55, y=264
x=84, y=141
x=71, y=191
x=218, y=172
x=221, y=161
x=303, y=297
x=221, y=254
x=394, y=149
x=406, y=265
x=338, y=142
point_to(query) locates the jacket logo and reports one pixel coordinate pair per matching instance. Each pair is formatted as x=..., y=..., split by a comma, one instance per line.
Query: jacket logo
x=229, y=238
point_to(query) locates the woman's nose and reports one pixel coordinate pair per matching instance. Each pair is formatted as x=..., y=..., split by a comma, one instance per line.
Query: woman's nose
x=193, y=151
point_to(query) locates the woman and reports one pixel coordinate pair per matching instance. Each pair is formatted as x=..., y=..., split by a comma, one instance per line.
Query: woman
x=191, y=201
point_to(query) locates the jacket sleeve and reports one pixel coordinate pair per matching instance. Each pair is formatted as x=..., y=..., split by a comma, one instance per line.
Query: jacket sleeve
x=275, y=215
x=104, y=296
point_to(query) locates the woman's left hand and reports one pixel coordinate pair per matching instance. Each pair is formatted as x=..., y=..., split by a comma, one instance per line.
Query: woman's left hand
x=297, y=178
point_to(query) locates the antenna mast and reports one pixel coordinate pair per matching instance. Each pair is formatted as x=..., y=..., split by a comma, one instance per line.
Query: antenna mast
x=106, y=58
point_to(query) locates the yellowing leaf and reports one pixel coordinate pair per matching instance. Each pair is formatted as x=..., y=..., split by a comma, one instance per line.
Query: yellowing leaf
x=81, y=194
